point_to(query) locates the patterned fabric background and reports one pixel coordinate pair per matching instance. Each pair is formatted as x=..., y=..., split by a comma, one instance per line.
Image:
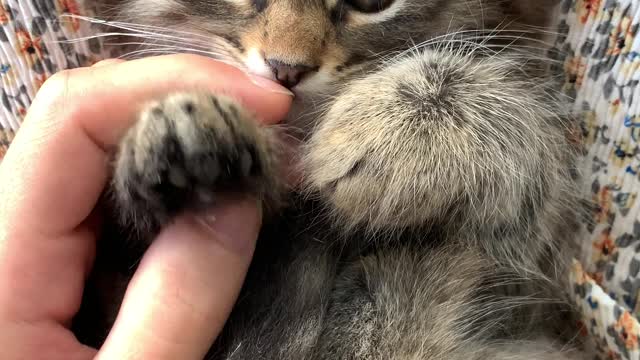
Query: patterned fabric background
x=33, y=46
x=601, y=57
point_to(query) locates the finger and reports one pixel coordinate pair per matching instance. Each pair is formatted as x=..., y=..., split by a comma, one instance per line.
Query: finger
x=186, y=285
x=56, y=169
x=49, y=341
x=89, y=119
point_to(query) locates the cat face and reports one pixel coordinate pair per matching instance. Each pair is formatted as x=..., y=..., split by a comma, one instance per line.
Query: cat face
x=311, y=45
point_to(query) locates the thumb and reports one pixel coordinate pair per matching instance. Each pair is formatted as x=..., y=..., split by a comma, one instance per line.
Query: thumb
x=186, y=285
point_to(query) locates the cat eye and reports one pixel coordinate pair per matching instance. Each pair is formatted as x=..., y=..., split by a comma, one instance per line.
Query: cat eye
x=369, y=6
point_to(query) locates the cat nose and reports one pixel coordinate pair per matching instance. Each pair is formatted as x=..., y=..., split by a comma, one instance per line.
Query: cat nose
x=286, y=74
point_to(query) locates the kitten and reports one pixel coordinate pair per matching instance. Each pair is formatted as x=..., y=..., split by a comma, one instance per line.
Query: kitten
x=436, y=214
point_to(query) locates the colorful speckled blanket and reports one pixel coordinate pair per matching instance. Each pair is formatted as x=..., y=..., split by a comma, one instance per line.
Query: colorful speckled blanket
x=601, y=57
x=601, y=64
x=34, y=44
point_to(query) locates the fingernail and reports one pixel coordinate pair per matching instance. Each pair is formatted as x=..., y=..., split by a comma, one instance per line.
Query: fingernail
x=234, y=221
x=269, y=85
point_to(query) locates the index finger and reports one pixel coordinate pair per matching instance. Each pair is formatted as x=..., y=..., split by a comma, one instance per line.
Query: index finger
x=144, y=79
x=79, y=115
x=57, y=167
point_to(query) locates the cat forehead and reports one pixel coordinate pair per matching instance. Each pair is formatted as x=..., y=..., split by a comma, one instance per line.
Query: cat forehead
x=301, y=4
x=156, y=7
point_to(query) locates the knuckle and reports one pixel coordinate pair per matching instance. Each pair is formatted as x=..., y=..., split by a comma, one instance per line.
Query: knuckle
x=55, y=90
x=51, y=96
x=57, y=83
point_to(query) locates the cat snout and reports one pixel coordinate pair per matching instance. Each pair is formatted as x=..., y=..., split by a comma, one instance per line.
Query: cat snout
x=289, y=75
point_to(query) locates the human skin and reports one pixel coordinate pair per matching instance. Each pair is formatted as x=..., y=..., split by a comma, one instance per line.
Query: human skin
x=50, y=182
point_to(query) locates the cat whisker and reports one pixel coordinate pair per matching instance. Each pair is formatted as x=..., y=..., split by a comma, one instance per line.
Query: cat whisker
x=123, y=34
x=532, y=52
x=513, y=37
x=165, y=44
x=160, y=35
x=152, y=36
x=175, y=49
x=138, y=27
x=167, y=50
x=220, y=50
x=484, y=35
x=134, y=54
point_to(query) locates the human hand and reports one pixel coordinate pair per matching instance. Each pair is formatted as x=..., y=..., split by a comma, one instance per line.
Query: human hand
x=50, y=181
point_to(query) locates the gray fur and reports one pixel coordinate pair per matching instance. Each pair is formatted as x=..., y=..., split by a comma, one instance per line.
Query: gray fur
x=436, y=215
x=182, y=150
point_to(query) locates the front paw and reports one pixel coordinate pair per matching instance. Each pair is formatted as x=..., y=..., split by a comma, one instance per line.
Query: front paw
x=439, y=140
x=182, y=152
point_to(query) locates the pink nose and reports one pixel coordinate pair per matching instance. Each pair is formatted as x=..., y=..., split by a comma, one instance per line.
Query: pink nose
x=288, y=75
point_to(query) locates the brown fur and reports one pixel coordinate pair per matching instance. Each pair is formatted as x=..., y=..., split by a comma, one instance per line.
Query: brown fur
x=436, y=213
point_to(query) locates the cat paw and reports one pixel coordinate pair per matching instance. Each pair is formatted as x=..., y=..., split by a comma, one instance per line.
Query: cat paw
x=182, y=152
